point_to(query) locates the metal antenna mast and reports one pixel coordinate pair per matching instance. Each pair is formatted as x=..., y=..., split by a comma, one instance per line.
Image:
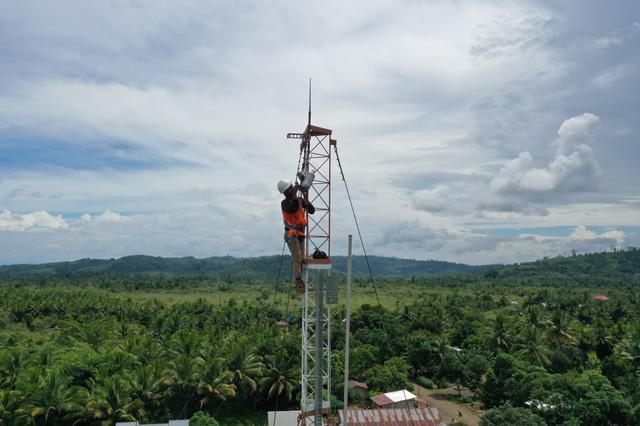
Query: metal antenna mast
x=309, y=121
x=316, y=146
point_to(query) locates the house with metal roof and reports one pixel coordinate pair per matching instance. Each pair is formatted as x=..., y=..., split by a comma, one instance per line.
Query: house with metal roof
x=171, y=423
x=392, y=416
x=359, y=390
x=397, y=399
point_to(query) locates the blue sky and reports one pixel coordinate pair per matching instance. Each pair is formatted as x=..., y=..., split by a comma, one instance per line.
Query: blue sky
x=470, y=131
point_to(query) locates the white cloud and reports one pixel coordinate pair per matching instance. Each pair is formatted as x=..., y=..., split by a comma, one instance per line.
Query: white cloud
x=575, y=128
x=573, y=169
x=34, y=221
x=617, y=37
x=422, y=241
x=581, y=233
x=200, y=233
x=607, y=78
x=425, y=239
x=105, y=216
x=511, y=34
x=575, y=172
x=605, y=42
x=436, y=199
x=108, y=216
x=520, y=186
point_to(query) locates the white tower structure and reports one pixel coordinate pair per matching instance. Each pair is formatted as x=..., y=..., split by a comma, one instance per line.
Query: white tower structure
x=315, y=147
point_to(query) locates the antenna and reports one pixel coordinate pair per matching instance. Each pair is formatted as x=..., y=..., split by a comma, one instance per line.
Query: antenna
x=309, y=123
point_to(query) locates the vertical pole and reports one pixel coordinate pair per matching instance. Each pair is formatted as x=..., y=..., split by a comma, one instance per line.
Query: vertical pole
x=317, y=421
x=305, y=337
x=347, y=328
x=328, y=347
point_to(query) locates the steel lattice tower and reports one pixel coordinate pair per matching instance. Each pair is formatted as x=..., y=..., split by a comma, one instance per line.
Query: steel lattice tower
x=315, y=147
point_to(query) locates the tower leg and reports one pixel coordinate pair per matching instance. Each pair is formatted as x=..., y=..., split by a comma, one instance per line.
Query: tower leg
x=319, y=347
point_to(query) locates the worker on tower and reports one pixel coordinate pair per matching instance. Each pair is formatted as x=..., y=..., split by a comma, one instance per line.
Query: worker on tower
x=295, y=222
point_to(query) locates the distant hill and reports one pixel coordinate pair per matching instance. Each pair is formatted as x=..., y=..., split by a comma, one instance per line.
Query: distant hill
x=607, y=269
x=265, y=267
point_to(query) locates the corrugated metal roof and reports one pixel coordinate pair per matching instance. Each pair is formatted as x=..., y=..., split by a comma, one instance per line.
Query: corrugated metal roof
x=401, y=395
x=171, y=423
x=356, y=384
x=393, y=416
x=381, y=400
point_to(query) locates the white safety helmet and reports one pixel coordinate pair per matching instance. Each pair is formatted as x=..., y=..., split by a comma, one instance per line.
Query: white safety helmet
x=283, y=185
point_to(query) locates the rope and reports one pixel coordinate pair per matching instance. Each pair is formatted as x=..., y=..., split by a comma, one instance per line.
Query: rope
x=286, y=311
x=275, y=413
x=275, y=289
x=335, y=147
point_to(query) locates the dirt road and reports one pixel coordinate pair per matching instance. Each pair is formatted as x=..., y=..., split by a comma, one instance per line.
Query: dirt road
x=449, y=409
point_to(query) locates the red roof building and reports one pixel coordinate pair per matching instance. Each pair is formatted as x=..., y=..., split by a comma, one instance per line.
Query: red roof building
x=393, y=417
x=600, y=297
x=397, y=399
x=353, y=384
x=381, y=400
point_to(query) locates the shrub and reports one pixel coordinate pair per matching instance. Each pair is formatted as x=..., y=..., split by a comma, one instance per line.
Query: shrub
x=426, y=383
x=202, y=419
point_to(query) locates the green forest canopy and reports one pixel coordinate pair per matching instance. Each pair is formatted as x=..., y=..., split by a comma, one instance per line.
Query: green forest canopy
x=74, y=353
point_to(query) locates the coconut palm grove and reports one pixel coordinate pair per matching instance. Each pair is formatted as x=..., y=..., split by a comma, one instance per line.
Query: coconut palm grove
x=554, y=342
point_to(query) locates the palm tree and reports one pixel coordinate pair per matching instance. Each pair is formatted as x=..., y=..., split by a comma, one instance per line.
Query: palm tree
x=442, y=345
x=146, y=384
x=244, y=364
x=183, y=377
x=558, y=328
x=531, y=347
x=145, y=349
x=281, y=378
x=500, y=339
x=246, y=369
x=51, y=398
x=629, y=348
x=215, y=382
x=188, y=343
x=532, y=316
x=10, y=407
x=113, y=402
x=602, y=338
x=115, y=361
x=10, y=367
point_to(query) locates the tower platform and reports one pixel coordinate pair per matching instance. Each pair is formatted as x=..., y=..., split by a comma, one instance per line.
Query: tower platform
x=316, y=264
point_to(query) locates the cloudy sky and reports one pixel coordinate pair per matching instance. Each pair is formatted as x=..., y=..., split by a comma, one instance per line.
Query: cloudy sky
x=470, y=131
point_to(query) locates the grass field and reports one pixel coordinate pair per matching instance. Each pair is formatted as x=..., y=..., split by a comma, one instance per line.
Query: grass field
x=390, y=296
